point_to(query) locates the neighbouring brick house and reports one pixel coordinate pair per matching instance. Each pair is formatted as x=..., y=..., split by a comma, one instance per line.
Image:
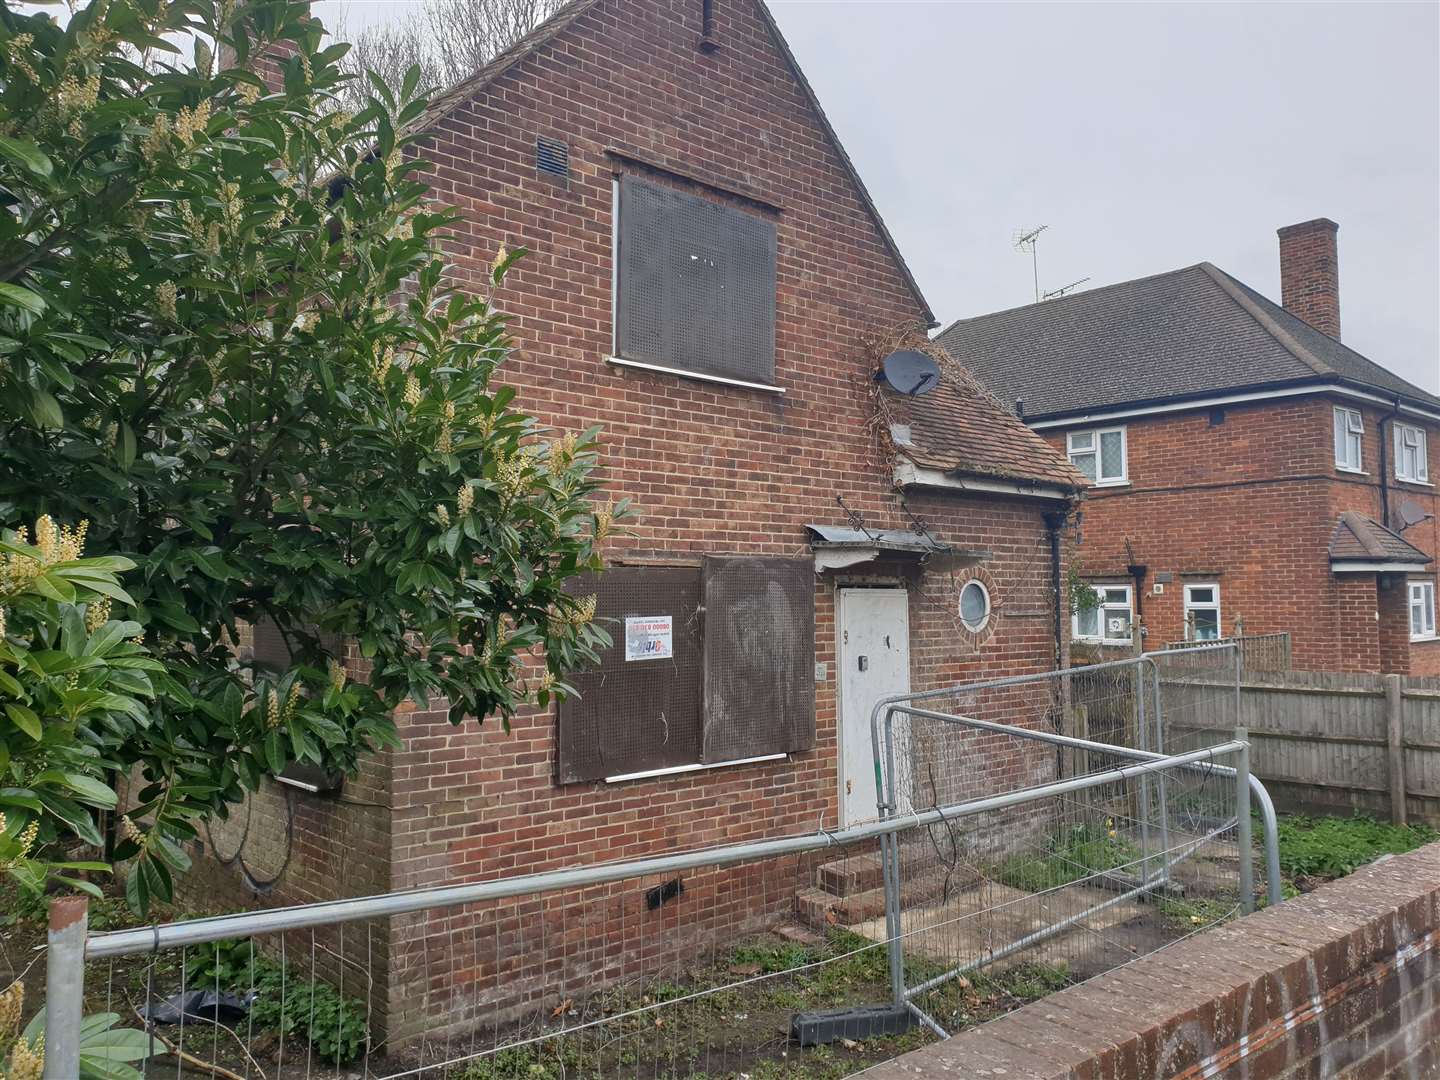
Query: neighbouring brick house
x=1244, y=464
x=709, y=281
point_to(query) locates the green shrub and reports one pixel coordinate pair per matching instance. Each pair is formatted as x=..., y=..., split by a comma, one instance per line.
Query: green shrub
x=308, y=1009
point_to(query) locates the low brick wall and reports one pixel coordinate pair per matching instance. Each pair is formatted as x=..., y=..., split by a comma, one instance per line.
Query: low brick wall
x=1344, y=981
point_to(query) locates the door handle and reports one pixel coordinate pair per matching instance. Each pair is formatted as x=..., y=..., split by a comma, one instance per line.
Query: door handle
x=849, y=787
x=864, y=663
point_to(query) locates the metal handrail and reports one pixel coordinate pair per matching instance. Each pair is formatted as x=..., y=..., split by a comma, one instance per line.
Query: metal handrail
x=247, y=924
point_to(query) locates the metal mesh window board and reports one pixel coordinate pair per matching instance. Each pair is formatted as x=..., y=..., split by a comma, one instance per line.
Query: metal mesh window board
x=640, y=714
x=695, y=284
x=759, y=657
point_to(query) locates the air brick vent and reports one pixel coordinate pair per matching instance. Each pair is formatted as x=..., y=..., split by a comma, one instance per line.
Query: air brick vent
x=552, y=156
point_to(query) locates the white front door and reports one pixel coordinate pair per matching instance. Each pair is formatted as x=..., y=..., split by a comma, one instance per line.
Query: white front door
x=874, y=658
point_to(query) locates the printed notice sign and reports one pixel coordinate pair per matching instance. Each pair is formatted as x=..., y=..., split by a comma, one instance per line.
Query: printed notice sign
x=648, y=638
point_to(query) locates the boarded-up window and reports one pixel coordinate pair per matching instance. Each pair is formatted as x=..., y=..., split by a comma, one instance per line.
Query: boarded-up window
x=707, y=665
x=638, y=714
x=695, y=284
x=759, y=657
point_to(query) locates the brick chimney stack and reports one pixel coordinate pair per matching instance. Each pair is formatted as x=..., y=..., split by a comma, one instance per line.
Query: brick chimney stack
x=1310, y=274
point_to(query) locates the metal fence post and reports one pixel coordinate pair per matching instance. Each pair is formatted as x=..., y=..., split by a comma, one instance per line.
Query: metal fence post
x=65, y=986
x=1242, y=822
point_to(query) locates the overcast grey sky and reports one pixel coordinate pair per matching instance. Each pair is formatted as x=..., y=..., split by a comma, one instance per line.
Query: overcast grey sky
x=1147, y=136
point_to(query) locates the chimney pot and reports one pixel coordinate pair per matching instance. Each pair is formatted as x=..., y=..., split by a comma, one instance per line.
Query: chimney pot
x=1310, y=274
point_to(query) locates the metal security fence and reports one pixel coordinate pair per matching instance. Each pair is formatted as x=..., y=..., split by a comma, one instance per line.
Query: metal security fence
x=1089, y=875
x=1260, y=652
x=1008, y=872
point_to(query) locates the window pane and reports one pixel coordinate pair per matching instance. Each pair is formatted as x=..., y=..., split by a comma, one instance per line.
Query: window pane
x=974, y=607
x=1112, y=455
x=1417, y=620
x=1117, y=624
x=1207, y=624
x=1082, y=440
x=1115, y=596
x=1087, y=623
x=1085, y=463
x=1202, y=596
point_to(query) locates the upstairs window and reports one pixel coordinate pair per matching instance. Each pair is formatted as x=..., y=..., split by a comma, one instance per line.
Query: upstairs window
x=1202, y=612
x=1349, y=429
x=1099, y=454
x=1422, y=610
x=1108, y=623
x=694, y=285
x=1410, y=463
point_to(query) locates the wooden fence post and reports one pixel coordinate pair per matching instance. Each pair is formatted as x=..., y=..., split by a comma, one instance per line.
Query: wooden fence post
x=1395, y=745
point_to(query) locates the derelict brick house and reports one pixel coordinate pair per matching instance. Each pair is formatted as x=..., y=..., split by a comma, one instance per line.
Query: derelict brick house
x=1244, y=464
x=709, y=281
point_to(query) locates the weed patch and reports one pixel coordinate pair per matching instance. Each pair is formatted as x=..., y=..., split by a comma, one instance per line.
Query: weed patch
x=1333, y=847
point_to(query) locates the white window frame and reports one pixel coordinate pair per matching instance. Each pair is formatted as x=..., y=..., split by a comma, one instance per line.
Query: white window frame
x=1102, y=639
x=1411, y=438
x=1421, y=595
x=974, y=628
x=1192, y=605
x=1349, y=427
x=1094, y=435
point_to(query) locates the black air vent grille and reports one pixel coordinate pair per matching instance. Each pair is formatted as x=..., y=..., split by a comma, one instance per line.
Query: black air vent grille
x=552, y=156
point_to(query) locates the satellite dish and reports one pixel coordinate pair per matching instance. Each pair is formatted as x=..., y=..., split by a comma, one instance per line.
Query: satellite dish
x=909, y=372
x=1411, y=513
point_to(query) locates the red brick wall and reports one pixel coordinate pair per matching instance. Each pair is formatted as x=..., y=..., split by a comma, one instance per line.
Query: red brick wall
x=1344, y=981
x=1310, y=273
x=1250, y=503
x=712, y=469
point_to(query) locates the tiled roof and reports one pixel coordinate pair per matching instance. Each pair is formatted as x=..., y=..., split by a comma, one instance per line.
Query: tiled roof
x=1359, y=538
x=961, y=429
x=1186, y=333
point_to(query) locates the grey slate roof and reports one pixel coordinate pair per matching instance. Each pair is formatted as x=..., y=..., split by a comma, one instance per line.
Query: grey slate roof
x=1186, y=333
x=1362, y=539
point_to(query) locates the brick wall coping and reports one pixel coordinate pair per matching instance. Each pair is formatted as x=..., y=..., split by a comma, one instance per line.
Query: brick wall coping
x=1248, y=990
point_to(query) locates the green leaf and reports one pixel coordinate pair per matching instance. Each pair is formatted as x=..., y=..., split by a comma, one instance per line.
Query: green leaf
x=17, y=296
x=27, y=155
x=45, y=410
x=24, y=718
x=89, y=789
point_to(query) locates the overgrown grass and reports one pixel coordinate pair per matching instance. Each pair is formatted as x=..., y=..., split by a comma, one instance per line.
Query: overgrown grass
x=1333, y=847
x=740, y=1029
x=1076, y=853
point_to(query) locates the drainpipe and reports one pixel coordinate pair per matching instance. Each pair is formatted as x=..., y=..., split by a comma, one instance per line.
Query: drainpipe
x=1053, y=523
x=1386, y=421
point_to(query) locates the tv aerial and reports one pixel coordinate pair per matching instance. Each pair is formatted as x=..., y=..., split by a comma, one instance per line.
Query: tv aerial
x=1055, y=294
x=909, y=372
x=1411, y=513
x=1026, y=241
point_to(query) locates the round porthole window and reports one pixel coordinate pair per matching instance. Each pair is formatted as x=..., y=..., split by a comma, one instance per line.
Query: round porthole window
x=974, y=606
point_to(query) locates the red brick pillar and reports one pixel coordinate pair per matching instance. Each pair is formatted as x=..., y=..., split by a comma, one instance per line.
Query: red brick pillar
x=1393, y=606
x=1355, y=610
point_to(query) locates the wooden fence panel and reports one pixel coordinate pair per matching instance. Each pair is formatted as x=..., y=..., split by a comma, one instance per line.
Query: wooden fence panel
x=1322, y=741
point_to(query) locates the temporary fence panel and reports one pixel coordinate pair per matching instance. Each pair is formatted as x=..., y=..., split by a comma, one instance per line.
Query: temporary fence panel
x=1020, y=858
